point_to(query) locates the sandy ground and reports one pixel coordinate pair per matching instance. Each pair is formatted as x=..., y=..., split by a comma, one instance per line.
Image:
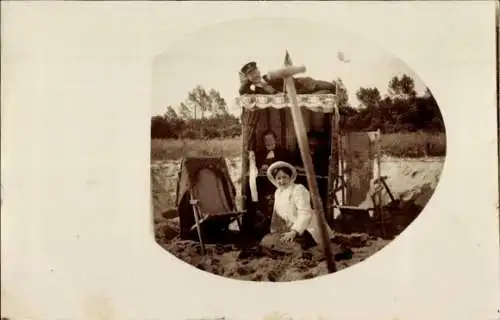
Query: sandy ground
x=411, y=180
x=242, y=264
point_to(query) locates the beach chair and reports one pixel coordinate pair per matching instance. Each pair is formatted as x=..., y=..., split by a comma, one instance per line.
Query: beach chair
x=206, y=198
x=360, y=161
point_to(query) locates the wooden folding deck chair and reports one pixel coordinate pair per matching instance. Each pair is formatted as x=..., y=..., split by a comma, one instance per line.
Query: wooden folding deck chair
x=351, y=211
x=205, y=193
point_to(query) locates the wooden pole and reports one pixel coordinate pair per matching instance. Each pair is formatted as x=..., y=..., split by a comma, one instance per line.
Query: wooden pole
x=194, y=203
x=342, y=167
x=379, y=179
x=244, y=160
x=301, y=133
x=379, y=169
x=333, y=172
x=339, y=146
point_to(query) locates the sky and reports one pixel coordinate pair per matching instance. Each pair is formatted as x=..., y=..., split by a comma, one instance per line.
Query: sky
x=212, y=57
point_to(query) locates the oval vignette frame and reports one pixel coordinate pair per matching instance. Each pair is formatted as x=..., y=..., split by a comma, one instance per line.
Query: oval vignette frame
x=410, y=177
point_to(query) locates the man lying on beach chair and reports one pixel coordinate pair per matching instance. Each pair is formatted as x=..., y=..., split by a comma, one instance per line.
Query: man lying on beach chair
x=252, y=82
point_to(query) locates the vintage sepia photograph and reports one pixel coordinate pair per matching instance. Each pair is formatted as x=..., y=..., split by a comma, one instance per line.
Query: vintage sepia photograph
x=286, y=150
x=253, y=160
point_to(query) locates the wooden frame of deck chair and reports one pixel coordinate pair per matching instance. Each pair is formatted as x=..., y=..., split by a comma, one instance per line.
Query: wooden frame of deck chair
x=348, y=205
x=205, y=192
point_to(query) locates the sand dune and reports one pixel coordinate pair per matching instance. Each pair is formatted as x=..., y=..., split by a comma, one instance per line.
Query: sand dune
x=410, y=180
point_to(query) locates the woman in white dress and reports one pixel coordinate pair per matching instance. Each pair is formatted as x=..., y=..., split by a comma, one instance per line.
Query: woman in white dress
x=292, y=204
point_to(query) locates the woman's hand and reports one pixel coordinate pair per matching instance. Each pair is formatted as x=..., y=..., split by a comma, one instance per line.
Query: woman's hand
x=289, y=236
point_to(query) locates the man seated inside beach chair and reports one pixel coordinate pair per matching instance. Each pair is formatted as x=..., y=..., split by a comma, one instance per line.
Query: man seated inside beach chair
x=270, y=152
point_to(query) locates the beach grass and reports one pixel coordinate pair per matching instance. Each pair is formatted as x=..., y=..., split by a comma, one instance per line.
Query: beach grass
x=407, y=145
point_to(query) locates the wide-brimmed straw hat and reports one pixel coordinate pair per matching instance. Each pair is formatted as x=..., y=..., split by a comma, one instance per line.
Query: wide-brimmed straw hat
x=277, y=165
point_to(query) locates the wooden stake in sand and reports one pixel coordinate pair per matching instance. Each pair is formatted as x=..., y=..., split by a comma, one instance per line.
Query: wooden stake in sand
x=287, y=72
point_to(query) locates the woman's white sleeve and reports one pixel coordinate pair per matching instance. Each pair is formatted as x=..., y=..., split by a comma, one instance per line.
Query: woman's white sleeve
x=304, y=211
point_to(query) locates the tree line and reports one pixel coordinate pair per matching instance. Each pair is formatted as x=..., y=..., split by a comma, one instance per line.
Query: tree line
x=204, y=114
x=401, y=110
